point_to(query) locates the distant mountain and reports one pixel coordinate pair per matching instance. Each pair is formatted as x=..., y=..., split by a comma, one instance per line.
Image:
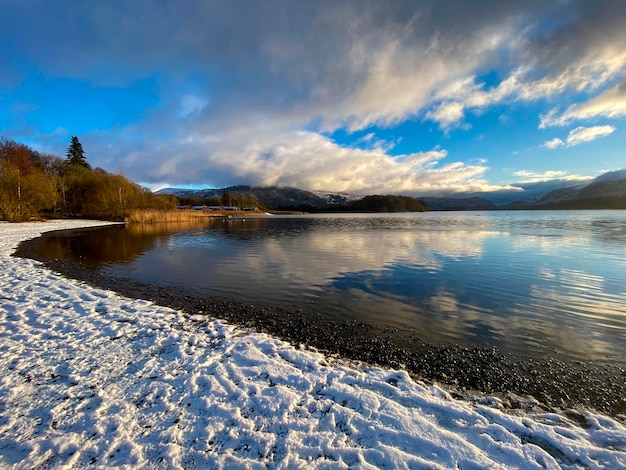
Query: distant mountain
x=276, y=198
x=335, y=198
x=618, y=175
x=271, y=197
x=174, y=191
x=557, y=195
x=606, y=191
x=528, y=193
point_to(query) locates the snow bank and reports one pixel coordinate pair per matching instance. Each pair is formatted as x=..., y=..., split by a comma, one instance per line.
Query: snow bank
x=89, y=378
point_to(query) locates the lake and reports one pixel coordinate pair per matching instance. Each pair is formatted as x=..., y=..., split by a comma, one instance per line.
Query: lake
x=531, y=283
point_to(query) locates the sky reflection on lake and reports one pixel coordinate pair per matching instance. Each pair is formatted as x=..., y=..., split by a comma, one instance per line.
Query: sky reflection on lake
x=530, y=283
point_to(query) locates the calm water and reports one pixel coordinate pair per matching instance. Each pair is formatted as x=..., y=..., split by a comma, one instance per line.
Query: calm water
x=531, y=283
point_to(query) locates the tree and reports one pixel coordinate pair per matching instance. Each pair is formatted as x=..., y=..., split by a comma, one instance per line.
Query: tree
x=227, y=199
x=75, y=154
x=25, y=189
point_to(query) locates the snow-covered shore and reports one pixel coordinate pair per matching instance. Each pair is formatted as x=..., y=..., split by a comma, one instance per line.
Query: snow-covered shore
x=90, y=378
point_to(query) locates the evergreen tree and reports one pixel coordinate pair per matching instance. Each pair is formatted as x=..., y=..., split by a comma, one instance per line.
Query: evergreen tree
x=75, y=154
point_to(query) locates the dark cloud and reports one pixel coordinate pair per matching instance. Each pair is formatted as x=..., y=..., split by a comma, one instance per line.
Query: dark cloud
x=575, y=28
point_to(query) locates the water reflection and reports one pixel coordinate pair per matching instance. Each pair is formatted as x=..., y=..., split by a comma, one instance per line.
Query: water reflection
x=528, y=282
x=112, y=244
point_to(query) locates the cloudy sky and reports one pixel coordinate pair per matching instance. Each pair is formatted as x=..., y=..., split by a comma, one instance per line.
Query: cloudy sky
x=405, y=97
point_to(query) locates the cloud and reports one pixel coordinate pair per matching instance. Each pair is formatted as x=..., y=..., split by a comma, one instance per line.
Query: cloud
x=587, y=134
x=610, y=104
x=304, y=159
x=554, y=143
x=275, y=82
x=192, y=104
x=446, y=114
x=536, y=177
x=580, y=135
x=586, y=74
x=579, y=49
x=348, y=65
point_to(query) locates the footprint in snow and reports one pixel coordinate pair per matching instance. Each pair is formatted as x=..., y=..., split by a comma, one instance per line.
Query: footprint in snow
x=101, y=308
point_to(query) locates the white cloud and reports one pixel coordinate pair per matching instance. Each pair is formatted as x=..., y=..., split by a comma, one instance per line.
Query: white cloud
x=554, y=143
x=587, y=74
x=447, y=114
x=610, y=104
x=304, y=159
x=535, y=177
x=396, y=77
x=579, y=135
x=587, y=134
x=551, y=65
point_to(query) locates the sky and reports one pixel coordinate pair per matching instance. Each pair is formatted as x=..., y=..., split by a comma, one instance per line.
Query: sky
x=390, y=97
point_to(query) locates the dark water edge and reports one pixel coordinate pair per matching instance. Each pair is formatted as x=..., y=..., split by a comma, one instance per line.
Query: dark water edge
x=555, y=384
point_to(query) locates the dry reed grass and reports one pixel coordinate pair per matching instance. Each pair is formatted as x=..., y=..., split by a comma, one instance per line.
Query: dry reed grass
x=169, y=227
x=151, y=216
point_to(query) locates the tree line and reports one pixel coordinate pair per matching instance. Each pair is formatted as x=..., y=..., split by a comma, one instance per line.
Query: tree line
x=36, y=185
x=238, y=199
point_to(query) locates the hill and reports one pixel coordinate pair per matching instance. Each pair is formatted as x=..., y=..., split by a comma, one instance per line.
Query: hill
x=269, y=197
x=293, y=199
x=608, y=191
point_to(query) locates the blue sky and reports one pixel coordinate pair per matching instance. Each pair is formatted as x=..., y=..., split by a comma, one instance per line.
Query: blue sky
x=404, y=97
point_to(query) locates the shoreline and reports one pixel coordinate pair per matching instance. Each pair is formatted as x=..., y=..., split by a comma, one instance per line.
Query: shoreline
x=470, y=372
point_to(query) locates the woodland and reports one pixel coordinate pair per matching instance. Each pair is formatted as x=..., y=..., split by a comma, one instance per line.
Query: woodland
x=36, y=185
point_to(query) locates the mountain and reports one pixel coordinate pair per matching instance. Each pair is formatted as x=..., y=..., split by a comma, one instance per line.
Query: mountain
x=294, y=199
x=271, y=197
x=335, y=198
x=558, y=195
x=531, y=193
x=288, y=198
x=618, y=175
x=607, y=191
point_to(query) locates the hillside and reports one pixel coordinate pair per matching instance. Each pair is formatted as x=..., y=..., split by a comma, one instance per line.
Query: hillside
x=275, y=198
x=270, y=197
x=608, y=191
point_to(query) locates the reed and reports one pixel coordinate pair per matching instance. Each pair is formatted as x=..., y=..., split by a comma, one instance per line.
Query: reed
x=151, y=216
x=169, y=227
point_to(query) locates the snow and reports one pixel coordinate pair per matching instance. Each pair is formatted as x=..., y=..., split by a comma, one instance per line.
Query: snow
x=92, y=379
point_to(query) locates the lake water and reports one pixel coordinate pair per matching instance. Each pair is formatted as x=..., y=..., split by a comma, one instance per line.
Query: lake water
x=532, y=283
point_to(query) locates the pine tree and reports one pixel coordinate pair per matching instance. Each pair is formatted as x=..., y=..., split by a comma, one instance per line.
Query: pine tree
x=75, y=154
